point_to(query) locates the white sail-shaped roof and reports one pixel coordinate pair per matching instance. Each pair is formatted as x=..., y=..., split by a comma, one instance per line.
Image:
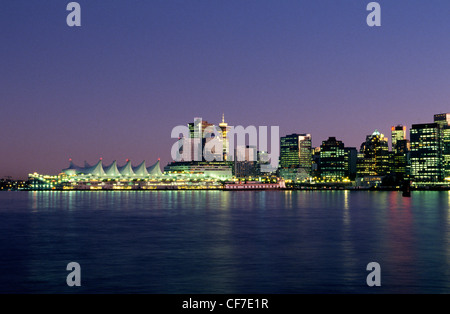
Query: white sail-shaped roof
x=112, y=170
x=155, y=170
x=141, y=170
x=126, y=170
x=72, y=170
x=96, y=170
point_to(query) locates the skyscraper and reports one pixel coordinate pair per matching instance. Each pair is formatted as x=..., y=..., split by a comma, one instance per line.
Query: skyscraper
x=443, y=120
x=295, y=156
x=400, y=160
x=400, y=152
x=374, y=156
x=430, y=150
x=195, y=144
x=351, y=157
x=398, y=133
x=445, y=152
x=333, y=162
x=425, y=153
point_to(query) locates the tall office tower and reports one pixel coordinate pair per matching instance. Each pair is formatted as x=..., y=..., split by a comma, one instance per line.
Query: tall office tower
x=305, y=149
x=445, y=153
x=295, y=156
x=374, y=158
x=443, y=120
x=351, y=155
x=315, y=167
x=198, y=127
x=400, y=152
x=197, y=140
x=398, y=133
x=200, y=134
x=400, y=159
x=333, y=162
x=425, y=156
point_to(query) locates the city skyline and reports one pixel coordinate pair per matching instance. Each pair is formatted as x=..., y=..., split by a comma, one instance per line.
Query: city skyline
x=116, y=86
x=390, y=146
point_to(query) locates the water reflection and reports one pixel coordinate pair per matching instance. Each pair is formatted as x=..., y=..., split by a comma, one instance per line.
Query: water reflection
x=230, y=242
x=400, y=241
x=347, y=245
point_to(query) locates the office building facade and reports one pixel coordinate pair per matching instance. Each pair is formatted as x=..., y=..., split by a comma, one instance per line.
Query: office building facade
x=373, y=158
x=295, y=157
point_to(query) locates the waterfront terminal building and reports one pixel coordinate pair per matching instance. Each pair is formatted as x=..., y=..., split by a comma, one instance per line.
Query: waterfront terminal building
x=180, y=175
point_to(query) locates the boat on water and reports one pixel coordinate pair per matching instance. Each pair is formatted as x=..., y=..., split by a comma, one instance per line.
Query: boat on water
x=254, y=185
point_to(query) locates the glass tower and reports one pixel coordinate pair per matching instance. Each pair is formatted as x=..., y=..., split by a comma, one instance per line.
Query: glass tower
x=333, y=161
x=295, y=156
x=425, y=152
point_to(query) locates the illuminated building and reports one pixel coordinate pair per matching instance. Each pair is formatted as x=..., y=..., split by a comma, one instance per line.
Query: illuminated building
x=224, y=128
x=112, y=171
x=399, y=156
x=333, y=164
x=295, y=157
x=220, y=170
x=335, y=161
x=183, y=175
x=374, y=156
x=200, y=132
x=425, y=153
x=197, y=140
x=443, y=120
x=398, y=133
x=400, y=159
x=445, y=152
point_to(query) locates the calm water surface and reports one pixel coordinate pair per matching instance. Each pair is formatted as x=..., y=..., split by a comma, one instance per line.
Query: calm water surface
x=224, y=242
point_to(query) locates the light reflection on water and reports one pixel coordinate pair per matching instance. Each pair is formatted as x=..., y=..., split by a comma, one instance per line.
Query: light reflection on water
x=225, y=242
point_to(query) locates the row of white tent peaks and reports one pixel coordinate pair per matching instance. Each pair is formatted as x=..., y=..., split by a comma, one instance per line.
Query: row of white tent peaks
x=113, y=170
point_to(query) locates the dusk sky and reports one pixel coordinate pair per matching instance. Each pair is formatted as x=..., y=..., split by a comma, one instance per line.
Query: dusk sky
x=116, y=86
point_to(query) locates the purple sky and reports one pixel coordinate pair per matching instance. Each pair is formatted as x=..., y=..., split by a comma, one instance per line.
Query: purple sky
x=116, y=86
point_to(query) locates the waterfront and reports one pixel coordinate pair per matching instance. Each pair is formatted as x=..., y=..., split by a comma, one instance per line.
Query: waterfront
x=225, y=242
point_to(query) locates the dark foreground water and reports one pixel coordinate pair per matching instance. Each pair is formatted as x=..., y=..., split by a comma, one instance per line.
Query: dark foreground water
x=224, y=242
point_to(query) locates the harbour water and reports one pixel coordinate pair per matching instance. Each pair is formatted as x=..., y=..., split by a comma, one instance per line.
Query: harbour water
x=280, y=242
